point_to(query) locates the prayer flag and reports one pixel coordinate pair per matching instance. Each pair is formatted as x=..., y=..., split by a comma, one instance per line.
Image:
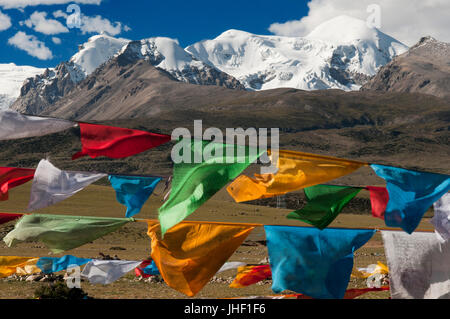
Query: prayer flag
x=54, y=264
x=296, y=170
x=441, y=218
x=133, y=191
x=9, y=264
x=11, y=177
x=379, y=198
x=107, y=271
x=147, y=269
x=116, y=142
x=195, y=183
x=191, y=253
x=52, y=185
x=249, y=275
x=62, y=232
x=411, y=193
x=14, y=125
x=325, y=202
x=317, y=263
x=7, y=217
x=418, y=265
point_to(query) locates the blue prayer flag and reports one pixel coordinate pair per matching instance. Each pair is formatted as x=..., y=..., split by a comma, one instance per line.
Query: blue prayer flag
x=411, y=193
x=133, y=191
x=151, y=269
x=50, y=265
x=314, y=262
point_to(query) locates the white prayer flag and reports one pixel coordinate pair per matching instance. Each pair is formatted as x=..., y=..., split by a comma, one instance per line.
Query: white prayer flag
x=52, y=185
x=230, y=265
x=14, y=125
x=107, y=271
x=441, y=219
x=418, y=265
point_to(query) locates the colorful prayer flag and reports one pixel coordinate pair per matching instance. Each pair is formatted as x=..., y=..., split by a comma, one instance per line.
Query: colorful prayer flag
x=325, y=202
x=9, y=264
x=107, y=271
x=7, y=217
x=62, y=232
x=379, y=198
x=195, y=183
x=54, y=264
x=52, y=185
x=147, y=269
x=133, y=191
x=191, y=253
x=116, y=142
x=11, y=177
x=418, y=265
x=317, y=263
x=14, y=125
x=441, y=218
x=296, y=170
x=411, y=193
x=250, y=275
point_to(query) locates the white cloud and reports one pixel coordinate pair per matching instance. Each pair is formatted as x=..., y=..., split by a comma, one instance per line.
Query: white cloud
x=31, y=45
x=60, y=14
x=9, y=4
x=405, y=20
x=5, y=21
x=39, y=22
x=97, y=24
x=56, y=40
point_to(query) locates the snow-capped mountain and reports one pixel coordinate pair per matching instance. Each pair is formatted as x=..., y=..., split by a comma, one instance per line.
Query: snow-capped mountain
x=341, y=53
x=11, y=80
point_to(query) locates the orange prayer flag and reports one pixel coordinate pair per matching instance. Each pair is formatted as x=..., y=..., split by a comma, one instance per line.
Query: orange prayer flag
x=9, y=265
x=296, y=170
x=249, y=275
x=191, y=253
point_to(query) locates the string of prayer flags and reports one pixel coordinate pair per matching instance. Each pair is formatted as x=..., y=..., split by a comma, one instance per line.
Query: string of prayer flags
x=191, y=253
x=107, y=271
x=61, y=232
x=353, y=293
x=50, y=265
x=204, y=169
x=296, y=170
x=133, y=191
x=411, y=193
x=116, y=142
x=250, y=275
x=12, y=177
x=10, y=264
x=325, y=202
x=7, y=217
x=441, y=218
x=317, y=263
x=52, y=185
x=14, y=125
x=379, y=198
x=418, y=265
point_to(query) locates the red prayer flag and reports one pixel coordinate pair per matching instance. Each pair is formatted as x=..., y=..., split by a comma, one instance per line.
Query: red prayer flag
x=11, y=177
x=379, y=198
x=6, y=217
x=116, y=142
x=138, y=270
x=351, y=293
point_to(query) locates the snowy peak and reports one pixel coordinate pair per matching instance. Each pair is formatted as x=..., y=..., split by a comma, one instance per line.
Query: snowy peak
x=341, y=53
x=96, y=51
x=12, y=78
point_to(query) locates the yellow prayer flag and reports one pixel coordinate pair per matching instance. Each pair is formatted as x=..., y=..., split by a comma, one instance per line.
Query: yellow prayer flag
x=296, y=170
x=379, y=268
x=191, y=253
x=10, y=265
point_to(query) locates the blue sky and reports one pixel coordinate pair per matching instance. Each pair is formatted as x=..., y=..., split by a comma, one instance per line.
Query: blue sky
x=188, y=21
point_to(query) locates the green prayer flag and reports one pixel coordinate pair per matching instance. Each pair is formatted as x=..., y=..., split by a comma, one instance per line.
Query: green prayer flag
x=206, y=168
x=325, y=202
x=60, y=232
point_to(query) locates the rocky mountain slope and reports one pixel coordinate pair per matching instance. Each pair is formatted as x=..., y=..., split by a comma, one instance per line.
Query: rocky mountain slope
x=11, y=80
x=424, y=68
